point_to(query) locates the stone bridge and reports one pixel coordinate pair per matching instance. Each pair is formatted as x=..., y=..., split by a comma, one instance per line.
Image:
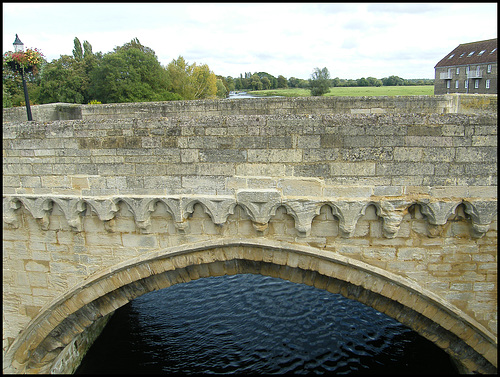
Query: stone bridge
x=390, y=201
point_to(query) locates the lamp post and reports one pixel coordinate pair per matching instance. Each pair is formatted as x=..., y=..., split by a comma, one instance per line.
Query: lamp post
x=19, y=47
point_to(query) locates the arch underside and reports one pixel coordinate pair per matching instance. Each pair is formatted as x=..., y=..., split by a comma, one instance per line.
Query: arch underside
x=36, y=349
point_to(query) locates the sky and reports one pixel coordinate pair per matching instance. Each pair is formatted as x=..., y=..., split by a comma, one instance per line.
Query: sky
x=352, y=40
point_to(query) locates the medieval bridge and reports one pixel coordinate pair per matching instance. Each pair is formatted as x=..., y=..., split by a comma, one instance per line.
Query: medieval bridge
x=390, y=201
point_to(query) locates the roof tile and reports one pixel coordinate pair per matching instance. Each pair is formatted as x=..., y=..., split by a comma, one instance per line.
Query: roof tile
x=471, y=53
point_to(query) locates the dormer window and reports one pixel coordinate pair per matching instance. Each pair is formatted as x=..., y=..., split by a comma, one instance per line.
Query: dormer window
x=462, y=55
x=481, y=53
x=452, y=55
x=492, y=51
x=470, y=54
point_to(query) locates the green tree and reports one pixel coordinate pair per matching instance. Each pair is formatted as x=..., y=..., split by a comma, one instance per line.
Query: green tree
x=255, y=82
x=64, y=80
x=135, y=44
x=273, y=81
x=191, y=81
x=77, y=51
x=178, y=72
x=282, y=82
x=7, y=97
x=13, y=94
x=237, y=83
x=293, y=82
x=87, y=50
x=204, y=82
x=221, y=89
x=372, y=81
x=231, y=84
x=131, y=73
x=266, y=83
x=320, y=82
x=393, y=81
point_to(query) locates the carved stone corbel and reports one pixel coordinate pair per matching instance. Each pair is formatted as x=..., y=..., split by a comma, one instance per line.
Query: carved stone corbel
x=175, y=208
x=141, y=208
x=39, y=209
x=217, y=207
x=303, y=211
x=72, y=209
x=259, y=205
x=348, y=214
x=10, y=206
x=481, y=213
x=438, y=212
x=105, y=210
x=392, y=213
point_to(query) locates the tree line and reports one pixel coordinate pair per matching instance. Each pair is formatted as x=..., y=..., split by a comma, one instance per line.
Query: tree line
x=264, y=80
x=132, y=73
x=129, y=73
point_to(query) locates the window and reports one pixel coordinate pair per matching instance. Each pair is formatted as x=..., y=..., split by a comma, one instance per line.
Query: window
x=481, y=53
x=452, y=55
x=447, y=84
x=489, y=68
x=456, y=84
x=467, y=70
x=476, y=84
x=458, y=70
x=487, y=84
x=470, y=54
x=492, y=51
x=466, y=84
x=462, y=55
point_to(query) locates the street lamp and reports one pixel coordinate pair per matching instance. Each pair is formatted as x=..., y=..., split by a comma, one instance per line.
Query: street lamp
x=19, y=47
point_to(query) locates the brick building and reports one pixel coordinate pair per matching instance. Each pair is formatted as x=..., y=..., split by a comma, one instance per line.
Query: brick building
x=470, y=68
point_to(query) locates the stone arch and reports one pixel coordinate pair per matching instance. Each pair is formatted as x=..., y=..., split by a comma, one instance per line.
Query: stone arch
x=38, y=346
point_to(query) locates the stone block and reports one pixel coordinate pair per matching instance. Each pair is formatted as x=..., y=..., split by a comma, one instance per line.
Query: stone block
x=274, y=155
x=353, y=169
x=300, y=187
x=262, y=170
x=189, y=155
x=474, y=154
x=484, y=141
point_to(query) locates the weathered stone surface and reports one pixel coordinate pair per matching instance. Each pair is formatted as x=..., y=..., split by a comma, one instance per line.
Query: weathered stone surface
x=398, y=199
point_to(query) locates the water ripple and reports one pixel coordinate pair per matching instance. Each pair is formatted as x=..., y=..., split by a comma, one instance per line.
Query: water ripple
x=255, y=324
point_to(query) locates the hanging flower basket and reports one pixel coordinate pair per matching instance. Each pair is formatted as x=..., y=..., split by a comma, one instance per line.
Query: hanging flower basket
x=29, y=61
x=16, y=67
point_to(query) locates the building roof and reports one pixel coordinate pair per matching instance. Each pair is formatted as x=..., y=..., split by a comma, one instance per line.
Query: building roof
x=471, y=53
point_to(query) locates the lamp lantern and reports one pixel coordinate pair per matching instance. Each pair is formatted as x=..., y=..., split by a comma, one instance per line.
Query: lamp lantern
x=18, y=45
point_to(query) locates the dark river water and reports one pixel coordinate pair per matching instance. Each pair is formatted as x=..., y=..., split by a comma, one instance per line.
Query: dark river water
x=257, y=324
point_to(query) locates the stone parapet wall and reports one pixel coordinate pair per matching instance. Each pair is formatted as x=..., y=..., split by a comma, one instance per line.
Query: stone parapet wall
x=476, y=104
x=220, y=154
x=273, y=106
x=44, y=113
x=258, y=106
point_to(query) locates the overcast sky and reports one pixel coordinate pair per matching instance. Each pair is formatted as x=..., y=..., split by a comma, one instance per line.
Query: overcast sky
x=352, y=40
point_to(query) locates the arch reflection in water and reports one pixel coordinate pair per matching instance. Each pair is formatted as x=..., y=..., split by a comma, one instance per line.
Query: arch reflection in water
x=257, y=324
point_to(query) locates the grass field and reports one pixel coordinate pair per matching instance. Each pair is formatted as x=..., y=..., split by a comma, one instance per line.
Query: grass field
x=418, y=90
